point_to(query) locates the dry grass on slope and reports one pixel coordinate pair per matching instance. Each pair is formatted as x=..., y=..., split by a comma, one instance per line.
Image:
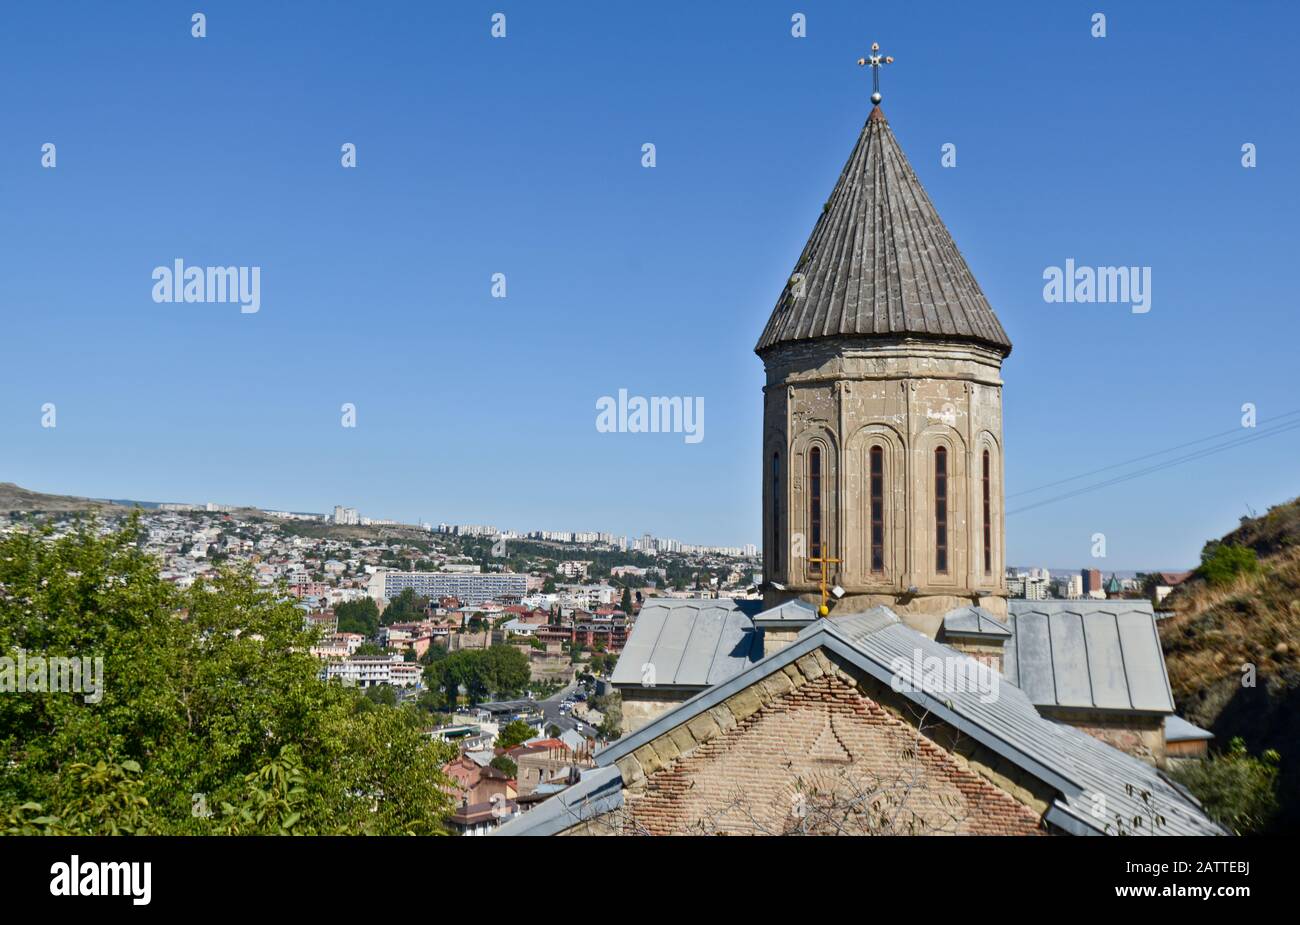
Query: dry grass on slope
x=1254, y=620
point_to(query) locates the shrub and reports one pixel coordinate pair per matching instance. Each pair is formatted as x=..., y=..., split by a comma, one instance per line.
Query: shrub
x=1221, y=563
x=1235, y=788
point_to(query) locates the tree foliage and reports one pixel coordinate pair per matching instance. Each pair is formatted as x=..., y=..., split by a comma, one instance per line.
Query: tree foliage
x=500, y=670
x=1235, y=788
x=213, y=717
x=515, y=732
x=1221, y=563
x=407, y=607
x=359, y=616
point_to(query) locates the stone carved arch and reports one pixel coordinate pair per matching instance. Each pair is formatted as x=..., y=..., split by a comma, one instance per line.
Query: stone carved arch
x=820, y=437
x=856, y=506
x=776, y=505
x=957, y=521
x=990, y=577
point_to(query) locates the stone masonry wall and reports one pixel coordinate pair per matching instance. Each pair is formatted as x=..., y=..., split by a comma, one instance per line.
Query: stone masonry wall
x=845, y=396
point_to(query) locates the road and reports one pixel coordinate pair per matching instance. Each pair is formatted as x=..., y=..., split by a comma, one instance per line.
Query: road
x=551, y=710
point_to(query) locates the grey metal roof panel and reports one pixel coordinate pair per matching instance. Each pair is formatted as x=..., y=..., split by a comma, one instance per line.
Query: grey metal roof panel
x=880, y=261
x=974, y=621
x=1070, y=660
x=670, y=646
x=701, y=646
x=639, y=645
x=1144, y=662
x=690, y=643
x=1027, y=659
x=1178, y=729
x=856, y=626
x=1087, y=654
x=792, y=611
x=1105, y=662
x=599, y=790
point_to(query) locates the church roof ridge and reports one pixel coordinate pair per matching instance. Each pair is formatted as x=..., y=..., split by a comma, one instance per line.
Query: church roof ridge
x=881, y=262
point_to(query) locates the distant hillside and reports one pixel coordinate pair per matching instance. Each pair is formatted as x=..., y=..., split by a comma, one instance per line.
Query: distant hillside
x=16, y=498
x=1253, y=619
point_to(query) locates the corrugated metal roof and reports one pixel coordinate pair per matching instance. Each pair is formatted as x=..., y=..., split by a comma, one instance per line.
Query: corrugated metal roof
x=690, y=643
x=1102, y=655
x=857, y=626
x=1097, y=784
x=880, y=261
x=974, y=621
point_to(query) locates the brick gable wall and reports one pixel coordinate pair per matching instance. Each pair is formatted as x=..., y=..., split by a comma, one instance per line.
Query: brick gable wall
x=815, y=754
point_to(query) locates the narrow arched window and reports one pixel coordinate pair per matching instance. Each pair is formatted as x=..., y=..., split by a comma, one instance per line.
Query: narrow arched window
x=941, y=510
x=776, y=514
x=877, y=508
x=988, y=519
x=815, y=503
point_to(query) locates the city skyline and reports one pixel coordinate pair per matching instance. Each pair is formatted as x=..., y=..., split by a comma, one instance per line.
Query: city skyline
x=527, y=534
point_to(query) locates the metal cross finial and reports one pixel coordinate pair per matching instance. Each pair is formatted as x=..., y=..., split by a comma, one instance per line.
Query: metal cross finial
x=875, y=60
x=824, y=609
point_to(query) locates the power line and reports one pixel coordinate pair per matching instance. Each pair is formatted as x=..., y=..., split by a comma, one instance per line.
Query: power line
x=1129, y=462
x=1199, y=454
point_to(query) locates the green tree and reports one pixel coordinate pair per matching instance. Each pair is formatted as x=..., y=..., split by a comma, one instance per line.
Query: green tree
x=360, y=616
x=212, y=716
x=508, y=670
x=610, y=706
x=515, y=732
x=500, y=670
x=384, y=694
x=1235, y=788
x=626, y=604
x=1221, y=563
x=405, y=608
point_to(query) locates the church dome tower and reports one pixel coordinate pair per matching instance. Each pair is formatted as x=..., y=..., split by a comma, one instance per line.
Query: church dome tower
x=882, y=418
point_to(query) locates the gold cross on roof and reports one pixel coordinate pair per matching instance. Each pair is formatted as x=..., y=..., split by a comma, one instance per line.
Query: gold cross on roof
x=823, y=609
x=875, y=59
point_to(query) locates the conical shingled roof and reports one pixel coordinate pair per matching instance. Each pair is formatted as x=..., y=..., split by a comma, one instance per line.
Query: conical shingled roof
x=880, y=261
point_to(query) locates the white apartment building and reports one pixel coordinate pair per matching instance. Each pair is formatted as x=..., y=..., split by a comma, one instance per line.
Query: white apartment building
x=574, y=568
x=369, y=670
x=471, y=589
x=346, y=515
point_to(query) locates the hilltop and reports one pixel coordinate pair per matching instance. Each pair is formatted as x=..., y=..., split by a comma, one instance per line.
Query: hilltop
x=16, y=498
x=1252, y=620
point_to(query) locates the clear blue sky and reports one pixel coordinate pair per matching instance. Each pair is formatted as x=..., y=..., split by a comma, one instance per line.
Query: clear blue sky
x=522, y=156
